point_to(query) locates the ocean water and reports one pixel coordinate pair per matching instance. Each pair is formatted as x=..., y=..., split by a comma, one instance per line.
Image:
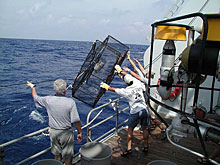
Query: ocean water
x=42, y=62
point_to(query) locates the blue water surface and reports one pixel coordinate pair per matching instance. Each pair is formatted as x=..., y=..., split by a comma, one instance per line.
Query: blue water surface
x=41, y=62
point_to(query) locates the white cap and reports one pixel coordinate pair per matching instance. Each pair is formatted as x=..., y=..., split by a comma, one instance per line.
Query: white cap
x=128, y=78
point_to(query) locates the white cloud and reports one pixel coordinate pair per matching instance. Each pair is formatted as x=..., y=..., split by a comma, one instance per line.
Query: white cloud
x=138, y=24
x=82, y=20
x=50, y=17
x=20, y=11
x=71, y=19
x=105, y=21
x=35, y=8
x=64, y=20
x=38, y=6
x=137, y=27
x=130, y=20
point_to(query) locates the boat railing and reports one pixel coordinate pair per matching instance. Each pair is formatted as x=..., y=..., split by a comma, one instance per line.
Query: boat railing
x=115, y=104
x=174, y=8
x=89, y=126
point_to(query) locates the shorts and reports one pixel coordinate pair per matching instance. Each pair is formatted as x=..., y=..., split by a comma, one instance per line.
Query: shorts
x=62, y=142
x=142, y=116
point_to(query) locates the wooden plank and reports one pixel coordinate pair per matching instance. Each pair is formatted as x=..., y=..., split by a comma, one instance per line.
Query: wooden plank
x=158, y=150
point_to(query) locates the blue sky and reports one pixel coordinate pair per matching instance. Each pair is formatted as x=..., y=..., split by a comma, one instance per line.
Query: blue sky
x=80, y=20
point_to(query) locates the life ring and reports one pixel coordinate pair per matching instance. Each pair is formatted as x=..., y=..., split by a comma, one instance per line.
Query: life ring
x=174, y=93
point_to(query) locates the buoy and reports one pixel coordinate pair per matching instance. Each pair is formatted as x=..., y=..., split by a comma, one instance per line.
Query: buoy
x=174, y=93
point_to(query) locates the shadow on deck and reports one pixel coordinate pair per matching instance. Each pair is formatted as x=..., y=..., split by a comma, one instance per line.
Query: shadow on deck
x=158, y=150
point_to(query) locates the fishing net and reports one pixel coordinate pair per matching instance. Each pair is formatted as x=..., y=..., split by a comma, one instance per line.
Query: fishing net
x=97, y=67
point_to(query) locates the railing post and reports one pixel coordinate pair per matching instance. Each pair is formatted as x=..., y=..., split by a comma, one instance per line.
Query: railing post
x=88, y=135
x=2, y=156
x=117, y=114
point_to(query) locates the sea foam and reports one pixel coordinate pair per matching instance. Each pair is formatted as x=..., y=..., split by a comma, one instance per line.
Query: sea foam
x=35, y=115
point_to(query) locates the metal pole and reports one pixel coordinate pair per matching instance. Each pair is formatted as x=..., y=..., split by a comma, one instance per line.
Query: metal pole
x=200, y=138
x=24, y=137
x=117, y=113
x=2, y=156
x=88, y=134
x=184, y=97
x=212, y=94
x=151, y=56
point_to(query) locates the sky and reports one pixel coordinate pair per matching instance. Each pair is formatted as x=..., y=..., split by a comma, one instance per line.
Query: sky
x=81, y=20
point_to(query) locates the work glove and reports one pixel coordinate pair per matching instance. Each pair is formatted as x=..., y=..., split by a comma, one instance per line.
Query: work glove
x=30, y=84
x=128, y=55
x=104, y=85
x=118, y=69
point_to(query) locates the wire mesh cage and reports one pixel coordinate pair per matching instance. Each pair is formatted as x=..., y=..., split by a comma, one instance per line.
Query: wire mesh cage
x=97, y=67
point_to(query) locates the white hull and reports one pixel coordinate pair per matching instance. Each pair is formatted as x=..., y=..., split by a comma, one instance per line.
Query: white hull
x=190, y=6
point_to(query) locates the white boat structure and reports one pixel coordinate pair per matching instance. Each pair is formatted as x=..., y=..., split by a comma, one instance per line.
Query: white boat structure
x=180, y=60
x=196, y=23
x=185, y=82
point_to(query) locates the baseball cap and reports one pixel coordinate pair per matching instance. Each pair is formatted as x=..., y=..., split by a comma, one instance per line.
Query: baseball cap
x=128, y=78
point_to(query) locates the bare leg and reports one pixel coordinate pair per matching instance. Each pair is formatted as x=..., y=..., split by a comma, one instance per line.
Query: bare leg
x=145, y=137
x=129, y=138
x=58, y=157
x=68, y=161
